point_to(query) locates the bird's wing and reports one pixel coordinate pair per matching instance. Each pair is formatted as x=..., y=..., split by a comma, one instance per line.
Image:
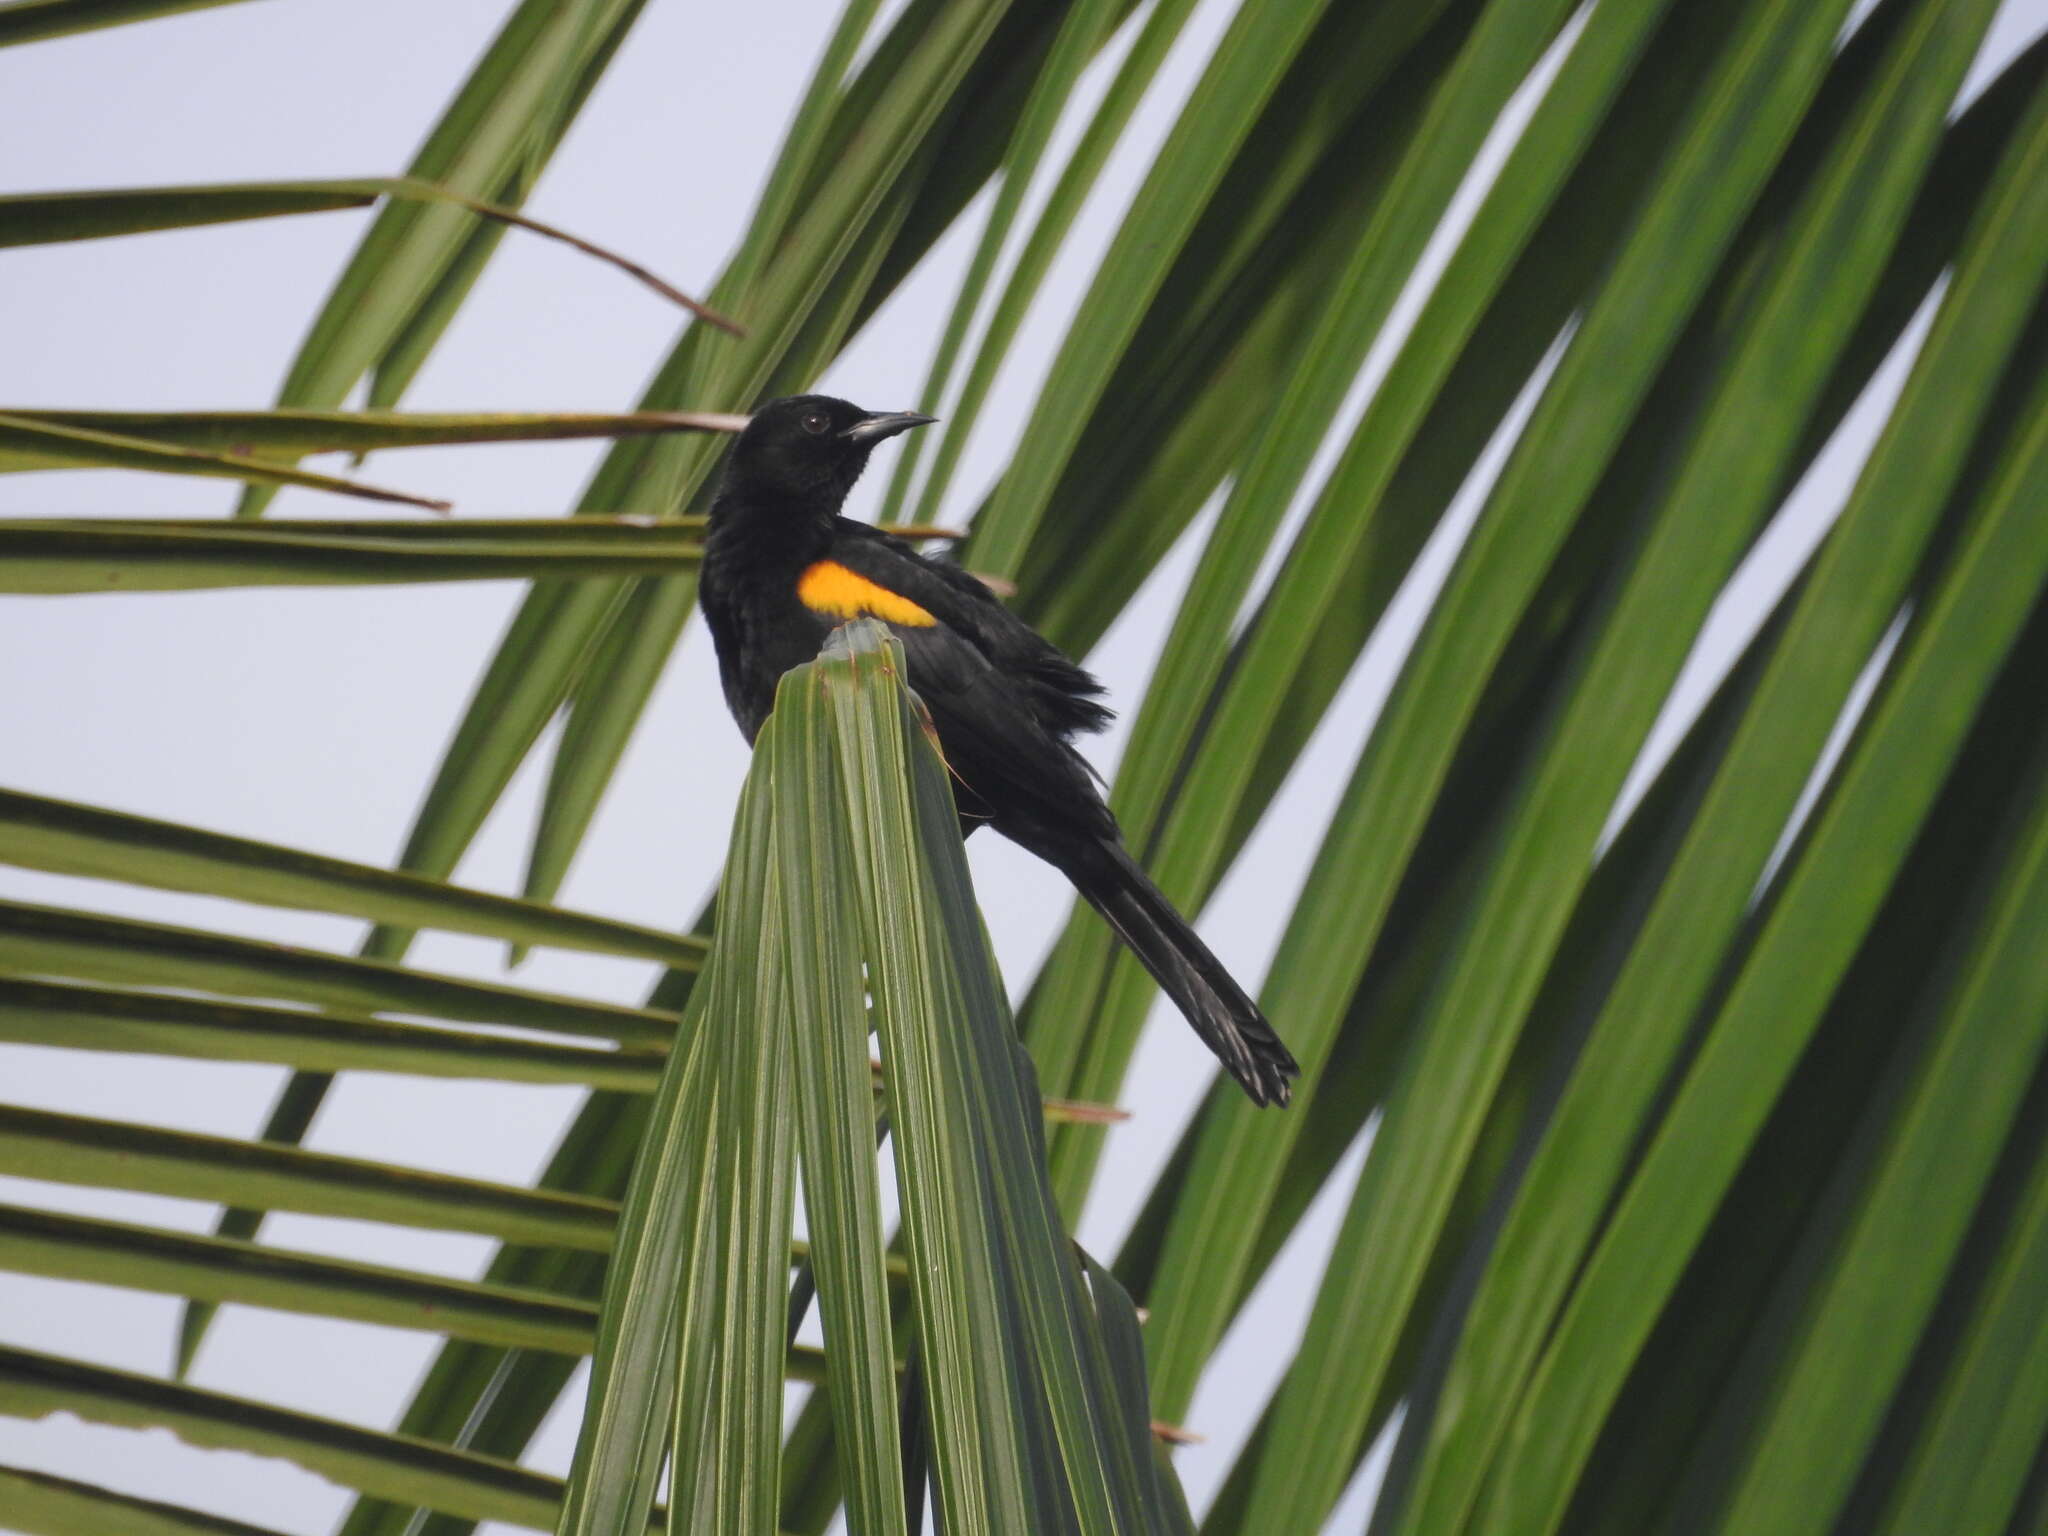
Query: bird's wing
x=1062, y=696
x=1001, y=723
x=1010, y=767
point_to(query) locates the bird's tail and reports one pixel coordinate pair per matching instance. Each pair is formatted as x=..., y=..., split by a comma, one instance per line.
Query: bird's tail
x=1228, y=1021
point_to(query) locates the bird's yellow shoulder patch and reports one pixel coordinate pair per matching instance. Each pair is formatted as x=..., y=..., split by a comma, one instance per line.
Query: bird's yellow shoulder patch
x=831, y=588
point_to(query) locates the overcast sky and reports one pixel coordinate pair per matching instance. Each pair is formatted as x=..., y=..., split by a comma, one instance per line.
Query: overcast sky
x=316, y=718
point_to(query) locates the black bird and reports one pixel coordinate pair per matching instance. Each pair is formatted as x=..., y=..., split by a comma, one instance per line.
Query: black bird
x=782, y=569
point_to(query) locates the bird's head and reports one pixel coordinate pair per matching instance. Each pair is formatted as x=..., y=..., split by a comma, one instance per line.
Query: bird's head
x=812, y=447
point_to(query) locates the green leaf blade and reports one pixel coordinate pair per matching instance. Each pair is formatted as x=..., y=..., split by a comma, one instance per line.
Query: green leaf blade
x=836, y=1109
x=1856, y=589
x=1879, y=797
x=64, y=837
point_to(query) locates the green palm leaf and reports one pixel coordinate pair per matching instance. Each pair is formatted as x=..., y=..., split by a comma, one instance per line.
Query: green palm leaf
x=41, y=1505
x=110, y=555
x=29, y=21
x=289, y=433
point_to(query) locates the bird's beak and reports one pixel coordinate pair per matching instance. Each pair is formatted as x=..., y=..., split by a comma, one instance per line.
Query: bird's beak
x=872, y=429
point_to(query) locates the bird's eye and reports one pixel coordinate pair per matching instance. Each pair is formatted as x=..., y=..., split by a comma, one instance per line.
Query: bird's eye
x=815, y=422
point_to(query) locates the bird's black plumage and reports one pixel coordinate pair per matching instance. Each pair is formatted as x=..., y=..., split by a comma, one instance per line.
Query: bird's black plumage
x=782, y=569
